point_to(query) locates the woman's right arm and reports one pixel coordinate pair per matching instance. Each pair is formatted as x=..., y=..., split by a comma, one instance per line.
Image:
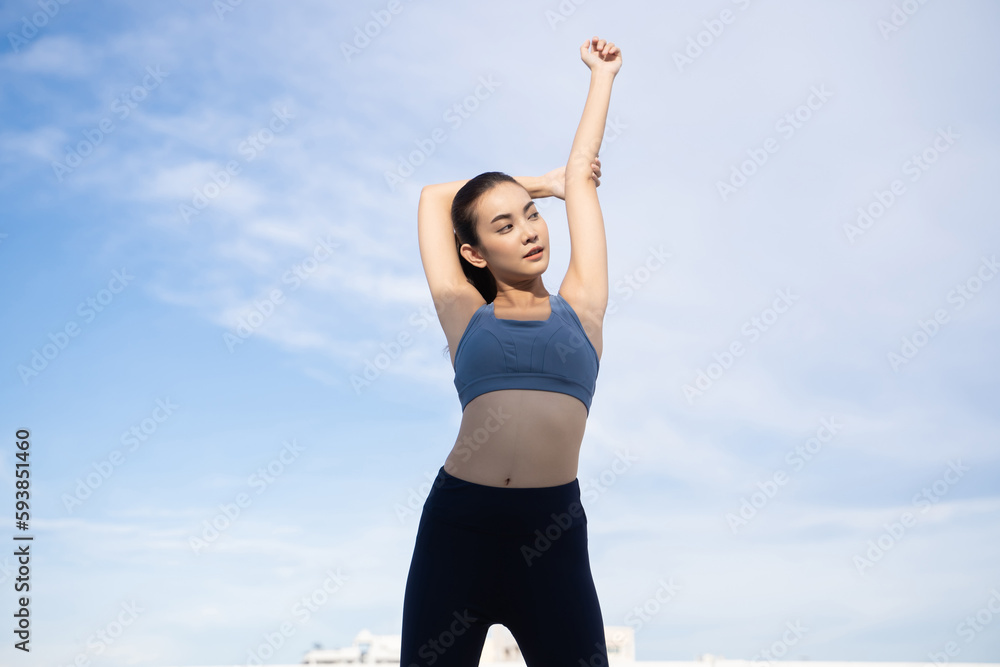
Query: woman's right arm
x=436, y=237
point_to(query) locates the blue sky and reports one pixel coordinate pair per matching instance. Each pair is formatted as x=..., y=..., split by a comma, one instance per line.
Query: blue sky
x=204, y=247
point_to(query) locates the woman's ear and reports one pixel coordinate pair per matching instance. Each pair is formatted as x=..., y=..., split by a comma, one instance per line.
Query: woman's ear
x=472, y=256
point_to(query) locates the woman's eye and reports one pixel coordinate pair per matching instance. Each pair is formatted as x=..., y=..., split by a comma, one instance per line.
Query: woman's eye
x=533, y=214
x=505, y=227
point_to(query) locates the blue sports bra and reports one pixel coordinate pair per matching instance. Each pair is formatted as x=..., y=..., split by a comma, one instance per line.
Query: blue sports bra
x=550, y=355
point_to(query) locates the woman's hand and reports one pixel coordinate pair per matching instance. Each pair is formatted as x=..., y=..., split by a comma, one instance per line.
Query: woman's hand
x=602, y=57
x=556, y=179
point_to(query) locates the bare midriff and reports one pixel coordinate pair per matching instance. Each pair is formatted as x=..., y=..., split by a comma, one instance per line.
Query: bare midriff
x=519, y=438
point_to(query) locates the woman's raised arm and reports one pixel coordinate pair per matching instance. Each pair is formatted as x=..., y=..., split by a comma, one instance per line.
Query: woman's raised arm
x=586, y=281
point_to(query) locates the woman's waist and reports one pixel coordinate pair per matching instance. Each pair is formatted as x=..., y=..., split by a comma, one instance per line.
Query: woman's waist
x=505, y=510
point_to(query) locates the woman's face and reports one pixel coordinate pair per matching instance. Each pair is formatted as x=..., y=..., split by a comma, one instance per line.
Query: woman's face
x=509, y=226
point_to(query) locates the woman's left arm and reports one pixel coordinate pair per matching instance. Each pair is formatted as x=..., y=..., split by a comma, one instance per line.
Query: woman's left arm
x=537, y=186
x=586, y=281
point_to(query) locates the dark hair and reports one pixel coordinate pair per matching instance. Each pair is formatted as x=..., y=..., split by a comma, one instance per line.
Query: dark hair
x=463, y=219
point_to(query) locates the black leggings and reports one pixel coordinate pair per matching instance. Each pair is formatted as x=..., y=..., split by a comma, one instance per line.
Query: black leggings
x=515, y=556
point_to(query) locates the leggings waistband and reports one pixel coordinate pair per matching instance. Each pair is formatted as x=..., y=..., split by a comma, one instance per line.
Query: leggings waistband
x=494, y=509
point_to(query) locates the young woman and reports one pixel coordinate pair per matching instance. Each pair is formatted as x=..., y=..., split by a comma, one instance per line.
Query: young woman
x=502, y=536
